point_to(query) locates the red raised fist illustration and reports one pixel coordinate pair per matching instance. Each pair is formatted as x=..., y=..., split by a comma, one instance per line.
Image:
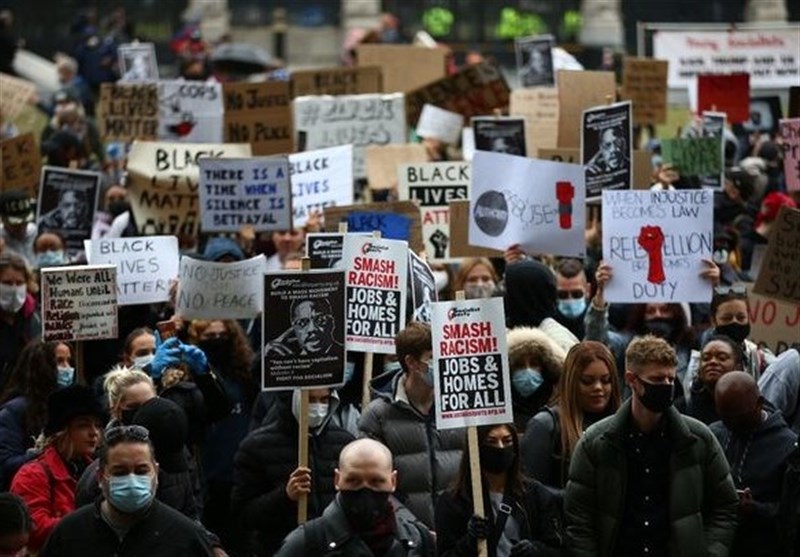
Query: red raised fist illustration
x=651, y=238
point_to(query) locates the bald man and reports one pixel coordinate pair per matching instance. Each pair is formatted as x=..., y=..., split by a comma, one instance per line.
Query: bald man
x=363, y=520
x=758, y=445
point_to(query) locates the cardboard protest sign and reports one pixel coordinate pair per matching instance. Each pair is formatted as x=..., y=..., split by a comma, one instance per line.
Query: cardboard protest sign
x=360, y=120
x=693, y=156
x=79, y=303
x=381, y=162
x=471, y=378
x=773, y=324
x=238, y=192
x=434, y=185
x=67, y=202
x=506, y=209
x=644, y=83
x=779, y=276
x=15, y=95
x=324, y=249
x=211, y=290
x=500, y=134
x=128, y=111
x=137, y=62
x=20, y=164
x=607, y=148
x=190, y=111
x=421, y=288
x=642, y=169
x=579, y=91
x=163, y=181
x=539, y=106
x=376, y=292
x=656, y=242
x=441, y=124
x=728, y=93
x=429, y=64
x=395, y=220
x=303, y=326
x=321, y=178
x=145, y=266
x=459, y=236
x=535, y=61
x=473, y=91
x=259, y=114
x=714, y=126
x=337, y=81
x=790, y=132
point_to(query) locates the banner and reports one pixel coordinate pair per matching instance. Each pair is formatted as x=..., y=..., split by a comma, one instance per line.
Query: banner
x=693, y=156
x=421, y=288
x=728, y=93
x=79, y=303
x=303, y=324
x=434, y=185
x=500, y=134
x=539, y=107
x=259, y=114
x=67, y=202
x=337, y=81
x=15, y=95
x=245, y=192
x=779, y=276
x=137, y=62
x=441, y=124
x=714, y=126
x=20, y=164
x=211, y=290
x=656, y=241
x=145, y=266
x=607, y=148
x=190, y=111
x=381, y=162
x=321, y=178
x=376, y=292
x=404, y=67
x=324, y=249
x=360, y=120
x=580, y=90
x=506, y=210
x=471, y=380
x=163, y=180
x=535, y=61
x=644, y=83
x=128, y=111
x=790, y=132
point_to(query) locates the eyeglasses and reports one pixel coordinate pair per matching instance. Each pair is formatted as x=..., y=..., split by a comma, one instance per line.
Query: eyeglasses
x=735, y=289
x=573, y=294
x=319, y=320
x=127, y=433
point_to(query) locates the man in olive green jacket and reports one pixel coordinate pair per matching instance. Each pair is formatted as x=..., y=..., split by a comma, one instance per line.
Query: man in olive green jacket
x=647, y=480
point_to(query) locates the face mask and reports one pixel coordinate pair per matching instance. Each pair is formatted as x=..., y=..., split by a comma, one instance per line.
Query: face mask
x=720, y=256
x=497, y=460
x=52, y=258
x=349, y=371
x=478, y=290
x=365, y=508
x=392, y=367
x=116, y=208
x=737, y=331
x=127, y=415
x=662, y=328
x=131, y=493
x=657, y=397
x=317, y=411
x=527, y=381
x=428, y=377
x=440, y=279
x=215, y=349
x=572, y=308
x=139, y=362
x=12, y=298
x=65, y=376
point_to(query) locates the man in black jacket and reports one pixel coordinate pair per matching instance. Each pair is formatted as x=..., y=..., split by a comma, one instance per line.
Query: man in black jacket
x=129, y=520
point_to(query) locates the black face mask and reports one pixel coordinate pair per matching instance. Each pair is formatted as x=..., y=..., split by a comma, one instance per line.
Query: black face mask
x=497, y=460
x=127, y=415
x=735, y=331
x=217, y=350
x=116, y=208
x=657, y=397
x=662, y=328
x=365, y=508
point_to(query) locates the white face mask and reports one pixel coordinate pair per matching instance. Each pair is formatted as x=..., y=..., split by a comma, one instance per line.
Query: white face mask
x=12, y=298
x=139, y=362
x=440, y=278
x=317, y=411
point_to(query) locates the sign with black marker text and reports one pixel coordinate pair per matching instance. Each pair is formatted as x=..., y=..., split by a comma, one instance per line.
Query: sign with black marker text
x=320, y=178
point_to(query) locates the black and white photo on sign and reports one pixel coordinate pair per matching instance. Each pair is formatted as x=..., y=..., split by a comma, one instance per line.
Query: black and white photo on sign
x=67, y=201
x=137, y=62
x=324, y=249
x=303, y=329
x=421, y=288
x=535, y=61
x=606, y=148
x=501, y=134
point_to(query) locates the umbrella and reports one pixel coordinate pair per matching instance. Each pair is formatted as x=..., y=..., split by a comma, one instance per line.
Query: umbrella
x=242, y=58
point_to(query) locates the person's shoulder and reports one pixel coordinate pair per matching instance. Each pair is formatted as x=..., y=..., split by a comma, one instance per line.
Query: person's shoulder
x=178, y=522
x=82, y=519
x=696, y=428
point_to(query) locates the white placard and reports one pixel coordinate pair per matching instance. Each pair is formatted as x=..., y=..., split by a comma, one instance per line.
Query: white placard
x=471, y=375
x=137, y=62
x=540, y=205
x=441, y=124
x=211, y=290
x=190, y=111
x=321, y=178
x=468, y=143
x=655, y=243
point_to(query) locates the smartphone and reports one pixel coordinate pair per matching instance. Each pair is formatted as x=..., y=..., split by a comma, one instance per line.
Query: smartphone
x=166, y=329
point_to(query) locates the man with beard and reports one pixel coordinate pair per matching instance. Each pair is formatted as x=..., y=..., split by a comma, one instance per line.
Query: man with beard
x=311, y=331
x=71, y=212
x=611, y=153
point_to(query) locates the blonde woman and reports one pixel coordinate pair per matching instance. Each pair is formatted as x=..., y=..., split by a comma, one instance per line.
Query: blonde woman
x=126, y=389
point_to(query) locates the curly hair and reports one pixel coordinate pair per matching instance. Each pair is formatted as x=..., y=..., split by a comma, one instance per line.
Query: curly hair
x=242, y=355
x=34, y=377
x=647, y=350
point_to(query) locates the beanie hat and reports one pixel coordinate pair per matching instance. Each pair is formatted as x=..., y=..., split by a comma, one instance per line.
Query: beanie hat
x=70, y=402
x=169, y=432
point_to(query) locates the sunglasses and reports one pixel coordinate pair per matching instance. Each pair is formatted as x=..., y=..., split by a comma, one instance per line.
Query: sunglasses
x=573, y=294
x=127, y=433
x=736, y=289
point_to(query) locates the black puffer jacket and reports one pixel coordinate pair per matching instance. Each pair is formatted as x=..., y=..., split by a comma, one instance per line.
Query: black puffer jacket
x=262, y=465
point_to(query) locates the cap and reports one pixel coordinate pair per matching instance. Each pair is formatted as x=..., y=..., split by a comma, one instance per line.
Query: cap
x=68, y=403
x=217, y=248
x=16, y=207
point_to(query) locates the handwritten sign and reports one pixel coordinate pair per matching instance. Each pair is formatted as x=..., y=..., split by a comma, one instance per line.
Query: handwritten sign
x=20, y=164
x=259, y=114
x=359, y=120
x=128, y=111
x=441, y=124
x=320, y=178
x=376, y=292
x=693, y=156
x=539, y=106
x=245, y=192
x=790, y=132
x=79, y=303
x=471, y=380
x=337, y=81
x=607, y=148
x=67, y=203
x=429, y=64
x=163, y=181
x=145, y=266
x=725, y=93
x=395, y=220
x=778, y=276
x=505, y=209
x=773, y=324
x=434, y=185
x=211, y=290
x=15, y=95
x=190, y=111
x=381, y=162
x=644, y=83
x=656, y=242
x=578, y=91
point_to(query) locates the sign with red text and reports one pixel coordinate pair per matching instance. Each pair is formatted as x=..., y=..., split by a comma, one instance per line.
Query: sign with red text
x=377, y=274
x=790, y=132
x=471, y=376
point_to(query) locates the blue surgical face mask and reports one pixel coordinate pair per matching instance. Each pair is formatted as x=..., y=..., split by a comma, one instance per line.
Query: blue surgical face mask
x=65, y=376
x=572, y=308
x=349, y=371
x=392, y=367
x=527, y=381
x=50, y=258
x=131, y=493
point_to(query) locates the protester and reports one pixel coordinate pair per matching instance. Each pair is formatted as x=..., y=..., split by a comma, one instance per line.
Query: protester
x=74, y=84
x=363, y=519
x=127, y=390
x=69, y=116
x=647, y=480
x=476, y=277
x=115, y=203
x=48, y=247
x=574, y=293
x=780, y=385
x=286, y=242
x=588, y=391
x=15, y=526
x=20, y=323
x=66, y=371
x=17, y=228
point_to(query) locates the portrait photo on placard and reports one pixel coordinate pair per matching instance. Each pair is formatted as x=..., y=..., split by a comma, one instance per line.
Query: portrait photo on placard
x=67, y=201
x=137, y=62
x=535, y=61
x=500, y=135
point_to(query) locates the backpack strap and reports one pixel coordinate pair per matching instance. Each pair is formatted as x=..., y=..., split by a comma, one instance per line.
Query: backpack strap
x=50, y=480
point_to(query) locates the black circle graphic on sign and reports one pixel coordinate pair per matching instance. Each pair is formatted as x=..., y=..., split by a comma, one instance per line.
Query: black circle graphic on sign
x=491, y=213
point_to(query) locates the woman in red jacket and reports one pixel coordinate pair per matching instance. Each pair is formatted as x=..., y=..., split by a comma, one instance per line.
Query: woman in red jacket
x=47, y=484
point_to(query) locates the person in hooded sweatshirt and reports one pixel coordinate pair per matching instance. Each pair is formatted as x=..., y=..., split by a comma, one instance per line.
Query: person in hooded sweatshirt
x=780, y=385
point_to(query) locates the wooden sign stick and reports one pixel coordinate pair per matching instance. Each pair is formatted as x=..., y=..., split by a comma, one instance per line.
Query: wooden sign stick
x=368, y=360
x=302, y=432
